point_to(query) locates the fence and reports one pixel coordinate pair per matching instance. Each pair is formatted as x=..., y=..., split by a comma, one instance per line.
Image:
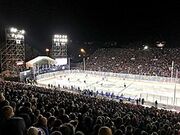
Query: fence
x=167, y=100
x=159, y=98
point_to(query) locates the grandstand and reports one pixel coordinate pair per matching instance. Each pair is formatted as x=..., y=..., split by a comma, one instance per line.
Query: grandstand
x=120, y=91
x=106, y=96
x=153, y=61
x=50, y=111
x=101, y=68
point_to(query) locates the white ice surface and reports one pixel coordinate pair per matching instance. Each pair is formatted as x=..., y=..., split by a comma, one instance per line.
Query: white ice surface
x=150, y=90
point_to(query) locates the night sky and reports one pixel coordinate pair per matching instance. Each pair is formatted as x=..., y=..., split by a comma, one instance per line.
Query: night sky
x=92, y=21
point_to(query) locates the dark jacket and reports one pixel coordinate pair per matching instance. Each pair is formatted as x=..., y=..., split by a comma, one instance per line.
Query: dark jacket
x=13, y=126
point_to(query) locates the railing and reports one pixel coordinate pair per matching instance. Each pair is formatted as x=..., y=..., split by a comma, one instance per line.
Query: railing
x=161, y=99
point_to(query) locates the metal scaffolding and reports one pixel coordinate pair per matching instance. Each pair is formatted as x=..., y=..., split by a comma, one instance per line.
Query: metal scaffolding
x=13, y=53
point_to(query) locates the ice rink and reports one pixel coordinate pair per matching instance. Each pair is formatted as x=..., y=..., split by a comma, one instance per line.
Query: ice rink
x=163, y=92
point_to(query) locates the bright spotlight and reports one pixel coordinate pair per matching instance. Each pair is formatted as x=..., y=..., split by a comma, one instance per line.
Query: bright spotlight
x=56, y=36
x=63, y=40
x=22, y=31
x=82, y=50
x=47, y=50
x=146, y=47
x=14, y=30
x=13, y=35
x=19, y=36
x=60, y=38
x=160, y=45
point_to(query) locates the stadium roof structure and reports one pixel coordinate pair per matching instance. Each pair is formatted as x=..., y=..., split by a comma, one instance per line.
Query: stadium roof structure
x=40, y=60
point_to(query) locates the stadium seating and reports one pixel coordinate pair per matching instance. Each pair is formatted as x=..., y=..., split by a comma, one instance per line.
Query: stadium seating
x=32, y=110
x=153, y=61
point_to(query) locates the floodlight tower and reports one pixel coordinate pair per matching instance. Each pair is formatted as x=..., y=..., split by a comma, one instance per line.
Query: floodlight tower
x=13, y=54
x=59, y=46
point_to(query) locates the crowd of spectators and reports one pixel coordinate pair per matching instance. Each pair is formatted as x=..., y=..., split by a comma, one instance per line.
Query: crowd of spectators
x=32, y=110
x=50, y=68
x=152, y=61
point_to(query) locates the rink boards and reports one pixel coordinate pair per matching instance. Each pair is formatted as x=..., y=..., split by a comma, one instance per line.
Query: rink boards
x=148, y=89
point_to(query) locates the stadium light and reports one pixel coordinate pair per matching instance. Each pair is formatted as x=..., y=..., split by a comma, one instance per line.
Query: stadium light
x=56, y=36
x=82, y=50
x=13, y=30
x=17, y=34
x=160, y=45
x=13, y=35
x=146, y=47
x=47, y=51
x=22, y=31
x=60, y=38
